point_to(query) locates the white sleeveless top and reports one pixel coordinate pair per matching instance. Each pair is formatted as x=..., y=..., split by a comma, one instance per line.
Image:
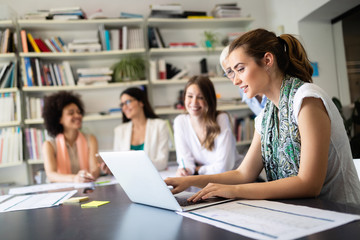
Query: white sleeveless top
x=341, y=182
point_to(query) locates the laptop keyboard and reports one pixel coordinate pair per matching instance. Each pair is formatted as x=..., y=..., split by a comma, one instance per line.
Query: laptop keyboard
x=184, y=202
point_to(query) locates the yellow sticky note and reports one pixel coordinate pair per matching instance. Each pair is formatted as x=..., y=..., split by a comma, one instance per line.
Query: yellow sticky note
x=94, y=204
x=76, y=199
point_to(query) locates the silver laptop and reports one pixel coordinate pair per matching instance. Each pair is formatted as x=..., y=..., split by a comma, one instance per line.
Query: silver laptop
x=143, y=184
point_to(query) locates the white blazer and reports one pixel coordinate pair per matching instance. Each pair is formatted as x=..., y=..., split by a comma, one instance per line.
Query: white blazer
x=156, y=143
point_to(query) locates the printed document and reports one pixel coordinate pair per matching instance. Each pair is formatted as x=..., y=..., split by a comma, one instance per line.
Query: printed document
x=262, y=219
x=33, y=201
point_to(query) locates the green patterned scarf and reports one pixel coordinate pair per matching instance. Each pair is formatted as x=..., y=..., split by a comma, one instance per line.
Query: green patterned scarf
x=280, y=137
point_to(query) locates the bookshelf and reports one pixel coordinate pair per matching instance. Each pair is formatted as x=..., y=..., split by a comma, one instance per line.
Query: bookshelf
x=99, y=98
x=96, y=121
x=191, y=30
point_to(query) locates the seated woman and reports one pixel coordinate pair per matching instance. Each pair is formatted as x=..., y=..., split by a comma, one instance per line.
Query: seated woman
x=70, y=155
x=142, y=129
x=204, y=140
x=300, y=139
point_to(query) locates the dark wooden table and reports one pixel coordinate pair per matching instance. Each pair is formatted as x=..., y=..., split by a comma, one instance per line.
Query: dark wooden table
x=121, y=219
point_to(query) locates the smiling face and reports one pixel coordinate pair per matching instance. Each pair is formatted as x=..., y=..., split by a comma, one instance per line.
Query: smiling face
x=71, y=117
x=249, y=76
x=130, y=106
x=195, y=103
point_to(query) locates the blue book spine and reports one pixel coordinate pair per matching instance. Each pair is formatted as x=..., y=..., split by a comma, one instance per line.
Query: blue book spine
x=28, y=71
x=107, y=40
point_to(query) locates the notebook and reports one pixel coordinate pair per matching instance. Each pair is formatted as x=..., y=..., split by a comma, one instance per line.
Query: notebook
x=143, y=184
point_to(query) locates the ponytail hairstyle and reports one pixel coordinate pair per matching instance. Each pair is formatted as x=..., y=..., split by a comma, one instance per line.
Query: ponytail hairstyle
x=141, y=96
x=210, y=114
x=289, y=53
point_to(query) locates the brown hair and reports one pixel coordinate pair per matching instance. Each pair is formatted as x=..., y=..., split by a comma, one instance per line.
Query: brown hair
x=141, y=96
x=208, y=91
x=290, y=55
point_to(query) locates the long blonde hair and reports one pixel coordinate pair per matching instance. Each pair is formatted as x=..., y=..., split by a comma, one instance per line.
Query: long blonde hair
x=210, y=114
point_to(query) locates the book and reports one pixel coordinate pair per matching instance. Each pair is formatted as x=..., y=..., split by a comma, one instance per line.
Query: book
x=49, y=45
x=114, y=39
x=124, y=37
x=107, y=40
x=33, y=43
x=5, y=40
x=94, y=71
x=102, y=36
x=158, y=37
x=69, y=74
x=130, y=15
x=162, y=69
x=41, y=44
x=28, y=72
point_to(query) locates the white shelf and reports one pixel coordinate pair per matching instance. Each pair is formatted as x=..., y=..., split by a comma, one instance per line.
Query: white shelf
x=200, y=23
x=83, y=24
x=8, y=90
x=4, y=165
x=86, y=87
x=6, y=24
x=184, y=51
x=7, y=56
x=184, y=81
x=83, y=55
x=87, y=118
x=34, y=162
x=10, y=124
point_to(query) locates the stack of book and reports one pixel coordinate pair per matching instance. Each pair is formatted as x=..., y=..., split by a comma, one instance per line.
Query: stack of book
x=8, y=74
x=37, y=15
x=92, y=76
x=31, y=44
x=166, y=11
x=38, y=73
x=84, y=45
x=226, y=10
x=10, y=145
x=69, y=13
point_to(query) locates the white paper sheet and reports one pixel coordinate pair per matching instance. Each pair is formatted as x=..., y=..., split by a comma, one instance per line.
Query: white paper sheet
x=102, y=181
x=4, y=197
x=262, y=219
x=33, y=201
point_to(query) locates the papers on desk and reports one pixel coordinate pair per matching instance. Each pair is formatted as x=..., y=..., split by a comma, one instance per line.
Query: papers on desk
x=33, y=201
x=107, y=180
x=262, y=219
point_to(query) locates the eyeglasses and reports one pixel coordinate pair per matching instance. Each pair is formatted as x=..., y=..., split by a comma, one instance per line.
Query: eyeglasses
x=127, y=103
x=230, y=74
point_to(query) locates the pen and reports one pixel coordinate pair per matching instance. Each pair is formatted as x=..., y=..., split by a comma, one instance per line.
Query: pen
x=182, y=160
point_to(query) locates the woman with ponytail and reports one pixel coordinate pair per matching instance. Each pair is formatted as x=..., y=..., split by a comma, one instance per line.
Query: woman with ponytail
x=203, y=136
x=300, y=139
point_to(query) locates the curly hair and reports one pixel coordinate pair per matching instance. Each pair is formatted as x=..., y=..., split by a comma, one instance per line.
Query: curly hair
x=53, y=108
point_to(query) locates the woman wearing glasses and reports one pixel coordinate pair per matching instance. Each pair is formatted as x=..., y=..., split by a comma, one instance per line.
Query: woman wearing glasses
x=142, y=129
x=204, y=140
x=300, y=138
